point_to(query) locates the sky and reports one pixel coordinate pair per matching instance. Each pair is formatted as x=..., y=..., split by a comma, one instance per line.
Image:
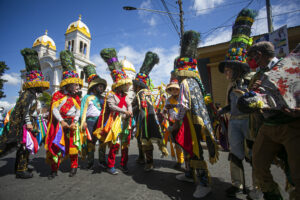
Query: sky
x=131, y=33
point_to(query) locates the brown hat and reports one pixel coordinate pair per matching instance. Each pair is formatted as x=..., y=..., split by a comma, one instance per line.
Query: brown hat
x=173, y=84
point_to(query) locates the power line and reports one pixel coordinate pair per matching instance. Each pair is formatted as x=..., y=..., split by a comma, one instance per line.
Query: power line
x=171, y=17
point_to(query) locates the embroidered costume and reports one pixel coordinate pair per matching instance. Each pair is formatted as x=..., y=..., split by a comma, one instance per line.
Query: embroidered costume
x=91, y=107
x=148, y=127
x=23, y=124
x=193, y=115
x=65, y=107
x=115, y=124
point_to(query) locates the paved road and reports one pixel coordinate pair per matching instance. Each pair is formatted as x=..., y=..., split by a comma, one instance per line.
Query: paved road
x=159, y=184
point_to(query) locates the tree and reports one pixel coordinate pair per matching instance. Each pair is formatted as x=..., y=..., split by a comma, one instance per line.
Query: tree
x=3, y=68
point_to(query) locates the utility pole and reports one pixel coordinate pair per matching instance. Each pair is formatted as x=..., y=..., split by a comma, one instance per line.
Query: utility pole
x=269, y=16
x=181, y=19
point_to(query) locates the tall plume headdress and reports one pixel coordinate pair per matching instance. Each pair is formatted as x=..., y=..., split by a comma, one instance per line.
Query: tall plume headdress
x=142, y=78
x=92, y=77
x=109, y=55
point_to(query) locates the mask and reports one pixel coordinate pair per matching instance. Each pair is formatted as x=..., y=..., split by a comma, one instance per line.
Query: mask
x=252, y=63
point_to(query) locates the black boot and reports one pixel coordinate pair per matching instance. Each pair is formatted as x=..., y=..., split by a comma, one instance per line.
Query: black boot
x=73, y=172
x=24, y=174
x=272, y=196
x=52, y=175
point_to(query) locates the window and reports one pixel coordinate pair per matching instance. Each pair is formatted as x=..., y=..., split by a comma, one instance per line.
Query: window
x=84, y=49
x=72, y=47
x=69, y=45
x=81, y=47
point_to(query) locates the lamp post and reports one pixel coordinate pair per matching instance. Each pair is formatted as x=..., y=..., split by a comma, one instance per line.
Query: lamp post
x=180, y=14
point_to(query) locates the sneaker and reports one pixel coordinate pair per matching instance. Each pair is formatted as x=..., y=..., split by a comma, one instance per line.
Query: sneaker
x=183, y=177
x=255, y=194
x=201, y=191
x=148, y=167
x=112, y=171
x=232, y=191
x=124, y=169
x=24, y=174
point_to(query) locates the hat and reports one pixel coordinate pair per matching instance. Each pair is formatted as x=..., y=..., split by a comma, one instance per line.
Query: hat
x=69, y=71
x=93, y=78
x=236, y=58
x=173, y=84
x=186, y=64
x=142, y=78
x=34, y=75
x=109, y=55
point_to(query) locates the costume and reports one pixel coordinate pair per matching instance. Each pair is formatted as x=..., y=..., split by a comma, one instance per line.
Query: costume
x=114, y=126
x=169, y=121
x=62, y=142
x=192, y=117
x=24, y=115
x=91, y=106
x=239, y=121
x=148, y=127
x=279, y=133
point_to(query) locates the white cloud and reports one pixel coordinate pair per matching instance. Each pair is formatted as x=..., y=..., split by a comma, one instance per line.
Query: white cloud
x=216, y=37
x=147, y=16
x=7, y=105
x=160, y=72
x=12, y=78
x=199, y=5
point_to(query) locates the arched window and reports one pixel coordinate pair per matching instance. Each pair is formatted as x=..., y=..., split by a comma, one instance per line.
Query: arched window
x=84, y=49
x=72, y=47
x=69, y=45
x=81, y=47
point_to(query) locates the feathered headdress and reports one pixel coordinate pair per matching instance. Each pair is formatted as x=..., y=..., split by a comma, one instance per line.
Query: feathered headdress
x=69, y=71
x=92, y=76
x=109, y=55
x=236, y=58
x=142, y=78
x=34, y=75
x=186, y=65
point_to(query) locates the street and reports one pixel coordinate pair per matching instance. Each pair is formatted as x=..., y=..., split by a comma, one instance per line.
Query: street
x=158, y=184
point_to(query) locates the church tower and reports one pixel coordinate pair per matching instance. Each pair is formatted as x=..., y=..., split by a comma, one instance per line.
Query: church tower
x=78, y=39
x=45, y=46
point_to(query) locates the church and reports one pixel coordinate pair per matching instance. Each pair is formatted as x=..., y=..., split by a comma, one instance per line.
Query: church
x=78, y=41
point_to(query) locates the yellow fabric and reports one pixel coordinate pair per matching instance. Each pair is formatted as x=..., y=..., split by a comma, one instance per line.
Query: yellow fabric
x=186, y=73
x=73, y=151
x=173, y=101
x=83, y=117
x=193, y=134
x=115, y=130
x=121, y=82
x=33, y=84
x=179, y=154
x=71, y=80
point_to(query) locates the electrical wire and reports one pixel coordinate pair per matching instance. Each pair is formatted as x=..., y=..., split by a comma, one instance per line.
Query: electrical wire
x=171, y=18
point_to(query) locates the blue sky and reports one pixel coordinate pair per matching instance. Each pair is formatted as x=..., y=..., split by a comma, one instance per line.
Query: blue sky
x=132, y=33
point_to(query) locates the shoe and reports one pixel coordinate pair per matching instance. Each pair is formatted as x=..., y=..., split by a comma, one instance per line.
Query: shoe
x=30, y=168
x=232, y=191
x=183, y=177
x=272, y=196
x=201, y=191
x=140, y=160
x=90, y=166
x=124, y=169
x=255, y=194
x=73, y=172
x=24, y=174
x=112, y=171
x=52, y=175
x=148, y=167
x=103, y=164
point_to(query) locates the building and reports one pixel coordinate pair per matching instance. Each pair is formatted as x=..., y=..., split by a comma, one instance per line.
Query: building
x=209, y=58
x=77, y=40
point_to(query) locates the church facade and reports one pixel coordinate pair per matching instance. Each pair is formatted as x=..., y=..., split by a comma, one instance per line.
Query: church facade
x=77, y=40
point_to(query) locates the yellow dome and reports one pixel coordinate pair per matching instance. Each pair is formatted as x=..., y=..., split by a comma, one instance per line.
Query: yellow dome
x=127, y=65
x=80, y=26
x=45, y=40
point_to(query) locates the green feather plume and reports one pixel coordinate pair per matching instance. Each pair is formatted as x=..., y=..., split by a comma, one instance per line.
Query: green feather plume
x=107, y=54
x=67, y=60
x=150, y=60
x=89, y=70
x=189, y=44
x=31, y=59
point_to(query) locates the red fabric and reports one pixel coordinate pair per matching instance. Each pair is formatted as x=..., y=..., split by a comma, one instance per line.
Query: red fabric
x=112, y=155
x=184, y=137
x=124, y=157
x=74, y=163
x=35, y=143
x=122, y=100
x=55, y=166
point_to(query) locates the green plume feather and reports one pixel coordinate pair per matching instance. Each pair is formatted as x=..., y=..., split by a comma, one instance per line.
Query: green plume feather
x=89, y=70
x=107, y=54
x=189, y=44
x=31, y=59
x=150, y=60
x=67, y=60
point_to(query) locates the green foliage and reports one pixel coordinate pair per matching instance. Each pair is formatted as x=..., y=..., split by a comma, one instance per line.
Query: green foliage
x=3, y=68
x=46, y=99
